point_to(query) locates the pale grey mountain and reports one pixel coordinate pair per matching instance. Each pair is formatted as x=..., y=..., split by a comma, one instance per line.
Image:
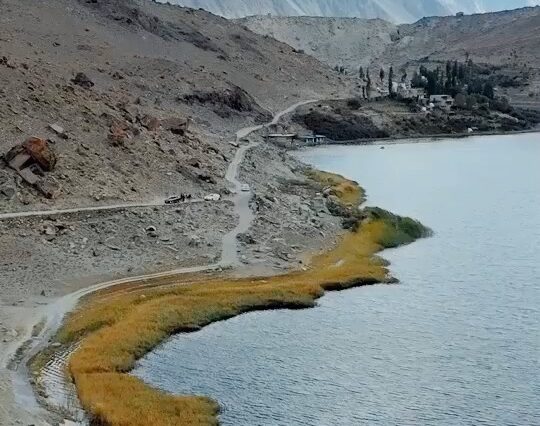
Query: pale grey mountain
x=399, y=11
x=353, y=42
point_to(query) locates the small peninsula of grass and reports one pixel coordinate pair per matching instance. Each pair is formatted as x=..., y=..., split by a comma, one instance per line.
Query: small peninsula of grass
x=348, y=191
x=117, y=328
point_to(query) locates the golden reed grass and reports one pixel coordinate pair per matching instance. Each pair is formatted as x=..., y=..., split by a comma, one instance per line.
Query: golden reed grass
x=118, y=327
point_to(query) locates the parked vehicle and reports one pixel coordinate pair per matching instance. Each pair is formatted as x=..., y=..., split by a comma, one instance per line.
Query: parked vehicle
x=245, y=187
x=212, y=197
x=173, y=200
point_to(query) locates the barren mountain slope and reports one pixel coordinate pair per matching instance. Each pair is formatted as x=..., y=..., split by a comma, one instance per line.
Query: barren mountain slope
x=351, y=42
x=508, y=38
x=391, y=10
x=144, y=60
x=489, y=38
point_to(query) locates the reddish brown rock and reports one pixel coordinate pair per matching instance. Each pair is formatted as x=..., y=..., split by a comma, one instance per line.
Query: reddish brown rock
x=41, y=152
x=118, y=135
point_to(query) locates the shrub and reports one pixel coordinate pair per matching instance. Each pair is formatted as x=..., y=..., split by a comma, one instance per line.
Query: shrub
x=354, y=104
x=398, y=230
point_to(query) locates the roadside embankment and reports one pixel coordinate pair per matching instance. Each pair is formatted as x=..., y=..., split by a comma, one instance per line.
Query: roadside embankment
x=117, y=328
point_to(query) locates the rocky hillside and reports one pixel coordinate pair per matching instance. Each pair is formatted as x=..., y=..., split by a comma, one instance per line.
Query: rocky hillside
x=138, y=100
x=391, y=10
x=351, y=42
x=495, y=38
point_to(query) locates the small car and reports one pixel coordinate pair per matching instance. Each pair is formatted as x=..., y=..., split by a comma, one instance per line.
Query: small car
x=245, y=187
x=212, y=197
x=173, y=200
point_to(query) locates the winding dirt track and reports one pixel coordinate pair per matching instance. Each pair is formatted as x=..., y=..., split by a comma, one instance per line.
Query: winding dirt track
x=52, y=315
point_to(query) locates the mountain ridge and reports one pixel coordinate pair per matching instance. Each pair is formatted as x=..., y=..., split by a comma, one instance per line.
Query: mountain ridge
x=397, y=11
x=354, y=42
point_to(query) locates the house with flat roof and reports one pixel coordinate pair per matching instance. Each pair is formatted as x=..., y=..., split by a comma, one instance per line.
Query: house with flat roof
x=444, y=102
x=312, y=139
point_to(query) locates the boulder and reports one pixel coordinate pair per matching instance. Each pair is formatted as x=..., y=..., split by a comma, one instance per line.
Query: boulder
x=59, y=130
x=118, y=134
x=176, y=125
x=150, y=122
x=8, y=189
x=81, y=79
x=48, y=187
x=41, y=152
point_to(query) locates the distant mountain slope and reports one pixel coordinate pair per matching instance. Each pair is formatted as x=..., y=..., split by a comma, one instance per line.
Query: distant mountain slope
x=391, y=10
x=141, y=62
x=351, y=42
x=495, y=38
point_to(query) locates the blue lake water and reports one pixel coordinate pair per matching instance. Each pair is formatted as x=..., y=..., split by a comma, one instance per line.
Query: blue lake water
x=456, y=343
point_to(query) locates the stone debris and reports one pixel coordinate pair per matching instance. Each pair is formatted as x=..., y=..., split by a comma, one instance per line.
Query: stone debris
x=81, y=79
x=59, y=130
x=150, y=122
x=31, y=160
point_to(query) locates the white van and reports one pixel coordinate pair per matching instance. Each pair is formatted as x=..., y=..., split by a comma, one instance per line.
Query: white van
x=212, y=197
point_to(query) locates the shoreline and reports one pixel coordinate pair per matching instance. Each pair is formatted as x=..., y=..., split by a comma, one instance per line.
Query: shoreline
x=100, y=363
x=255, y=128
x=246, y=132
x=27, y=345
x=417, y=139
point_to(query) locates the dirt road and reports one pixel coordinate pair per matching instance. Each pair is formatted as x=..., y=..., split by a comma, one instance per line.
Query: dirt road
x=17, y=399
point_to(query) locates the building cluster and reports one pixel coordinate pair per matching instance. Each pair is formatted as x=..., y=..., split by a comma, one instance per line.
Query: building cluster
x=404, y=90
x=290, y=139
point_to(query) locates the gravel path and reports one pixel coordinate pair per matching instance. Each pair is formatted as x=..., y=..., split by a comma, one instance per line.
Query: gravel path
x=15, y=390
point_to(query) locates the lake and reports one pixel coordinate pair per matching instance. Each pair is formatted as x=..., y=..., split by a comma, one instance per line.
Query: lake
x=456, y=343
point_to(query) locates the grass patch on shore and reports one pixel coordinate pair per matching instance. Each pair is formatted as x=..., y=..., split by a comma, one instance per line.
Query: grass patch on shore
x=398, y=230
x=348, y=191
x=118, y=328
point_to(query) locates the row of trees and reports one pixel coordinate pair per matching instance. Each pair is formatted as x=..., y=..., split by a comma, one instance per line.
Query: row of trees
x=364, y=75
x=452, y=79
x=455, y=78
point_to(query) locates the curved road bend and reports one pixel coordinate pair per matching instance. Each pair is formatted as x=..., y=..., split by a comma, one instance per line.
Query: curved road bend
x=53, y=314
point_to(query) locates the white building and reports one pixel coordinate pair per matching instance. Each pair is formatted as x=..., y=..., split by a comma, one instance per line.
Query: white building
x=444, y=102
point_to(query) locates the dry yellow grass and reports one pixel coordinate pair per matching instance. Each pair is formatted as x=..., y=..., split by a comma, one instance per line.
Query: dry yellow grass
x=348, y=191
x=116, y=328
x=119, y=328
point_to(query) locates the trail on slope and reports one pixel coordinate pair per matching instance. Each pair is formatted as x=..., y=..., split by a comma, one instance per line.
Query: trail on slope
x=52, y=315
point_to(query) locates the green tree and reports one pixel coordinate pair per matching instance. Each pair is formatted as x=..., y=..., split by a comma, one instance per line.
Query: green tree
x=391, y=82
x=455, y=71
x=488, y=90
x=417, y=80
